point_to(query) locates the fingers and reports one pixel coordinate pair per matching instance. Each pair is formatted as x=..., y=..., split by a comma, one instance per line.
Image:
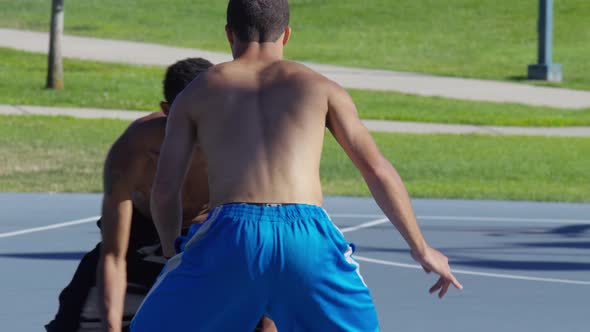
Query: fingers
x=435, y=261
x=437, y=285
x=443, y=284
x=444, y=289
x=455, y=282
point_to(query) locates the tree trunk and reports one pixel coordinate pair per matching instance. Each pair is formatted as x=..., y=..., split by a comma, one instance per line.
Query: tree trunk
x=55, y=73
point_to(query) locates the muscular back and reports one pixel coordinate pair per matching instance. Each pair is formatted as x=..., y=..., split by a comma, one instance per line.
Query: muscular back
x=131, y=167
x=262, y=129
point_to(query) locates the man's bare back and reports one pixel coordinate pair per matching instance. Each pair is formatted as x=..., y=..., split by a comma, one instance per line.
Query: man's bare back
x=264, y=140
x=137, y=152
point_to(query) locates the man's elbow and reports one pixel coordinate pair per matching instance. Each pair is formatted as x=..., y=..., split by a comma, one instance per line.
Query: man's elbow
x=379, y=168
x=113, y=258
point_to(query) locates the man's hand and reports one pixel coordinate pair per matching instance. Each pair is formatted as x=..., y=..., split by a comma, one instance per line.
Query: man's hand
x=433, y=260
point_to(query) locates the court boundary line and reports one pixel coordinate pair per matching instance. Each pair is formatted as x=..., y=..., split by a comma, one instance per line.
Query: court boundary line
x=368, y=224
x=476, y=273
x=473, y=218
x=49, y=227
x=364, y=225
x=359, y=258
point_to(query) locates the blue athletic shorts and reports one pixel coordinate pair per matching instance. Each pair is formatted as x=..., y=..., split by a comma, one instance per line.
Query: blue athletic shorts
x=288, y=262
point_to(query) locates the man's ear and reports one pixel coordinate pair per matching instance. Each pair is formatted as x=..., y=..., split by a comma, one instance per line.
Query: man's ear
x=229, y=34
x=287, y=35
x=165, y=107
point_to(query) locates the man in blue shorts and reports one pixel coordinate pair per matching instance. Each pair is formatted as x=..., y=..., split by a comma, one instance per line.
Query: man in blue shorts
x=270, y=248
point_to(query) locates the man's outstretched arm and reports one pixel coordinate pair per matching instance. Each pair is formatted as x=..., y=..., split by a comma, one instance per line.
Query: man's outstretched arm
x=175, y=157
x=384, y=183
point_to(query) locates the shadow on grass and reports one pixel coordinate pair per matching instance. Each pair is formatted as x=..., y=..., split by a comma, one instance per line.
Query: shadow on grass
x=526, y=80
x=83, y=27
x=517, y=78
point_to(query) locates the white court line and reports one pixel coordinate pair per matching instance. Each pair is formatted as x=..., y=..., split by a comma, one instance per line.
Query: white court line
x=516, y=220
x=48, y=227
x=360, y=258
x=475, y=273
x=364, y=225
x=355, y=215
x=471, y=218
x=337, y=215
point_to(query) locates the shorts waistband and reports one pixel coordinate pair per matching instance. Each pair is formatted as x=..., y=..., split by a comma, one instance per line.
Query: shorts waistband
x=270, y=211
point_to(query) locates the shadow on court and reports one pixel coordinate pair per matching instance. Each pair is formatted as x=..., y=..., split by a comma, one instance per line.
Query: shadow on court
x=76, y=255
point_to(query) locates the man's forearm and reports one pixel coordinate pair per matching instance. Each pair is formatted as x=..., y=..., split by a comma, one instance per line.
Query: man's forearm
x=112, y=285
x=392, y=197
x=167, y=216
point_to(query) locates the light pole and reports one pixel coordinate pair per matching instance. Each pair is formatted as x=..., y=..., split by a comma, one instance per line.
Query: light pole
x=545, y=69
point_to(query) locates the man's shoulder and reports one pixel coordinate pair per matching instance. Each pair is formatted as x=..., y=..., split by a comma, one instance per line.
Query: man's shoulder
x=302, y=71
x=151, y=123
x=228, y=70
x=216, y=72
x=228, y=75
x=143, y=135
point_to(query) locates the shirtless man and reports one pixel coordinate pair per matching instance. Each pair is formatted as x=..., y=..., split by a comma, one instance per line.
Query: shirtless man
x=261, y=123
x=126, y=223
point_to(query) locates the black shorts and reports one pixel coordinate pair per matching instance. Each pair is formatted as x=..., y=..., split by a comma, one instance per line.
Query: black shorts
x=78, y=302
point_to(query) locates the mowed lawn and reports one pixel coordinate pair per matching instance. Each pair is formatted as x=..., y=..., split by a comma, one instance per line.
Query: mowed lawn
x=58, y=154
x=493, y=39
x=116, y=86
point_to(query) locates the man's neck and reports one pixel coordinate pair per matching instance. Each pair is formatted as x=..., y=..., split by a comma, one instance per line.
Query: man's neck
x=253, y=51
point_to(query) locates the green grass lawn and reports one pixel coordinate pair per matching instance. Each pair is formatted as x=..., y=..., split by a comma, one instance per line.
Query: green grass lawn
x=402, y=107
x=493, y=39
x=103, y=85
x=39, y=154
x=474, y=167
x=48, y=154
x=87, y=83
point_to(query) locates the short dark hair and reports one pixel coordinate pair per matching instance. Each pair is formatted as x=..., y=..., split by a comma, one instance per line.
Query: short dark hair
x=180, y=74
x=258, y=20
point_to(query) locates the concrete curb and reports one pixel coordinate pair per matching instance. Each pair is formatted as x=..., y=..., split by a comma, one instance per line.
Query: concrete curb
x=424, y=85
x=372, y=125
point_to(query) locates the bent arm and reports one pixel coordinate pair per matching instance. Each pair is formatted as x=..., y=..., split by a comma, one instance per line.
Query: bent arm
x=385, y=185
x=381, y=177
x=119, y=176
x=175, y=157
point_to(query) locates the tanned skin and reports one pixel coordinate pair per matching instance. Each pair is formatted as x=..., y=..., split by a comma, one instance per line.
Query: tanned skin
x=261, y=123
x=129, y=171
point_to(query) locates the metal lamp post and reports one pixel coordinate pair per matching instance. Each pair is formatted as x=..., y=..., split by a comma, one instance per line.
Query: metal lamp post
x=545, y=69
